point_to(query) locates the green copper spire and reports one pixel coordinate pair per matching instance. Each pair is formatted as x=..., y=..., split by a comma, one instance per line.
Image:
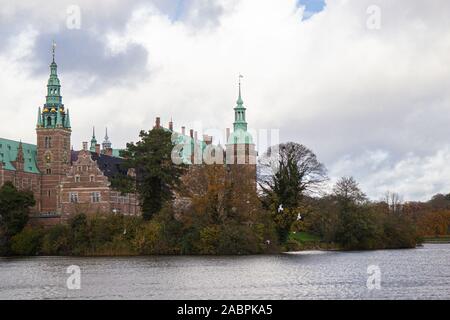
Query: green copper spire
x=239, y=112
x=54, y=98
x=240, y=134
x=93, y=140
x=39, y=119
x=67, y=120
x=53, y=115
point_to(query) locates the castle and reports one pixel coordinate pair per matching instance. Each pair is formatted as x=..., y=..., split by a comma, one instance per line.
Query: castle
x=65, y=181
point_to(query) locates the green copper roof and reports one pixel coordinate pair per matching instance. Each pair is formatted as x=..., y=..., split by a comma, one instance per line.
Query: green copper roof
x=8, y=154
x=53, y=98
x=240, y=137
x=239, y=113
x=240, y=134
x=53, y=114
x=67, y=120
x=116, y=153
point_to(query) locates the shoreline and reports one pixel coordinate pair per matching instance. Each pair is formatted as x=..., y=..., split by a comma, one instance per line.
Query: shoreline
x=418, y=246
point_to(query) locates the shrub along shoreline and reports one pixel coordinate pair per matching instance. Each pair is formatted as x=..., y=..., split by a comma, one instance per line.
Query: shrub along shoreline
x=118, y=235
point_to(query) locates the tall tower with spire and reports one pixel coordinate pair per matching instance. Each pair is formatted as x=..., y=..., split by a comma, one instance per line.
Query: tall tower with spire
x=93, y=141
x=239, y=112
x=240, y=149
x=53, y=132
x=240, y=146
x=106, y=144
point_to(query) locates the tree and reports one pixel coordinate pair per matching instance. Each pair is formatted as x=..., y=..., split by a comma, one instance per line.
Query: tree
x=27, y=242
x=56, y=240
x=80, y=234
x=225, y=214
x=440, y=201
x=394, y=202
x=14, y=211
x=358, y=228
x=348, y=193
x=288, y=172
x=156, y=175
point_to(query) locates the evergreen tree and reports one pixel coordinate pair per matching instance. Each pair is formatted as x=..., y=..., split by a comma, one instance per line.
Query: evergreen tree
x=14, y=210
x=156, y=176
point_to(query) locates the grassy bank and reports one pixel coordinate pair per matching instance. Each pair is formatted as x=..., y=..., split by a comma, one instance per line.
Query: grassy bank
x=437, y=239
x=299, y=241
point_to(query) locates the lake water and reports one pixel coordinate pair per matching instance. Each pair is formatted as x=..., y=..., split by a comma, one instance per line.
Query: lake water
x=422, y=273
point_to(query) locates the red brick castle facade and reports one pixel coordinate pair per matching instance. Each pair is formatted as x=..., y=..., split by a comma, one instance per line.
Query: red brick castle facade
x=65, y=181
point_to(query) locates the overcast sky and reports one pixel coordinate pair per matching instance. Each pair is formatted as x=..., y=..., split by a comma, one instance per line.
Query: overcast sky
x=371, y=102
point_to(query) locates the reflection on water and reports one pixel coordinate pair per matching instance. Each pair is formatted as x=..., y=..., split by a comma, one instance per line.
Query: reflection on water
x=422, y=273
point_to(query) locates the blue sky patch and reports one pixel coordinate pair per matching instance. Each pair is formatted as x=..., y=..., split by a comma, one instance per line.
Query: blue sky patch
x=312, y=7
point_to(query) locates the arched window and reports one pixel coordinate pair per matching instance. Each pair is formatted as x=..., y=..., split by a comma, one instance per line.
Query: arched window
x=48, y=142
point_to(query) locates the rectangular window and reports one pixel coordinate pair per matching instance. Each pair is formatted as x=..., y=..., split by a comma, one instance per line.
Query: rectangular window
x=73, y=197
x=77, y=178
x=49, y=171
x=95, y=197
x=91, y=178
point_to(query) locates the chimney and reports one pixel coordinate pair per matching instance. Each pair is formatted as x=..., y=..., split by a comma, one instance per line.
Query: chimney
x=97, y=148
x=171, y=125
x=228, y=134
x=191, y=133
x=207, y=139
x=158, y=123
x=85, y=145
x=183, y=130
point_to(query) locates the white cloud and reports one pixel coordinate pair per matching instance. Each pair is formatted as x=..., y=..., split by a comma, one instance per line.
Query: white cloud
x=329, y=82
x=413, y=177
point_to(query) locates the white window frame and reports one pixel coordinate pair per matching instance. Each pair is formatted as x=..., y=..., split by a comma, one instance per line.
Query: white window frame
x=73, y=197
x=95, y=197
